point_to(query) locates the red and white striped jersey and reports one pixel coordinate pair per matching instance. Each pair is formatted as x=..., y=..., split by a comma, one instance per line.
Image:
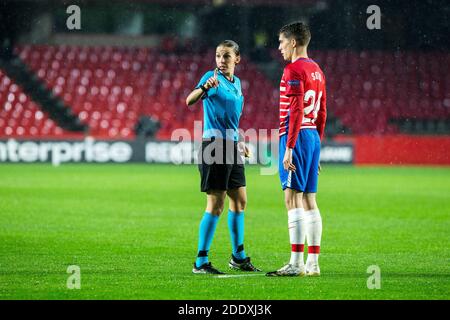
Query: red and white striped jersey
x=304, y=78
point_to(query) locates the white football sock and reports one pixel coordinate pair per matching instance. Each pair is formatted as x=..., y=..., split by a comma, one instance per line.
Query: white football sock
x=297, y=235
x=313, y=226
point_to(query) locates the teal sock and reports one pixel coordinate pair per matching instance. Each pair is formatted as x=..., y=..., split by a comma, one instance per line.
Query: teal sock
x=206, y=234
x=236, y=227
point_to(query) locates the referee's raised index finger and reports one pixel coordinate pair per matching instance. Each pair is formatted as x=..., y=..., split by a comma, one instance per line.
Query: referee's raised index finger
x=215, y=73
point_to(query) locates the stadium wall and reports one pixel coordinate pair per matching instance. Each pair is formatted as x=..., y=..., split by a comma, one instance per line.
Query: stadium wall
x=359, y=150
x=399, y=149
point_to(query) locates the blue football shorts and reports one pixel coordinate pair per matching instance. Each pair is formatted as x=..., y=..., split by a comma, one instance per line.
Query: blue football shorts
x=305, y=157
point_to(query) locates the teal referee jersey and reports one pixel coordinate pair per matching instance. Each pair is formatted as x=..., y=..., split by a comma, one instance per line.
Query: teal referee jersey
x=222, y=107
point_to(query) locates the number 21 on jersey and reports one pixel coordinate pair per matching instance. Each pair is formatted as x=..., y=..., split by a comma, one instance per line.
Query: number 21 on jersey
x=314, y=106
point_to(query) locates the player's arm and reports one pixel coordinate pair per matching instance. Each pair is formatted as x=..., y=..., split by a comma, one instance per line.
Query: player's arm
x=322, y=114
x=295, y=92
x=202, y=88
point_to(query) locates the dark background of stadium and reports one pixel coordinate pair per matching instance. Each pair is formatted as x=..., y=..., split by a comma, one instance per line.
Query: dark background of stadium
x=412, y=25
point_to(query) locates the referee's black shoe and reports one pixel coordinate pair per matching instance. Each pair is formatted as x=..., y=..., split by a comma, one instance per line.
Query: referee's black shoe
x=205, y=268
x=242, y=264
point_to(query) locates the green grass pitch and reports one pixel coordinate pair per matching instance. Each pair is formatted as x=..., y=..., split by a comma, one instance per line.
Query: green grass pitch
x=132, y=230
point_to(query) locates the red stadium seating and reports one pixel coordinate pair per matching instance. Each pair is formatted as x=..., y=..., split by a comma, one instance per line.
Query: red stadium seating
x=20, y=117
x=109, y=88
x=368, y=89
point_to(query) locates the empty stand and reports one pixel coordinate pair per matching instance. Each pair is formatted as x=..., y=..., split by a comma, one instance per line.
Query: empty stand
x=370, y=91
x=110, y=88
x=20, y=117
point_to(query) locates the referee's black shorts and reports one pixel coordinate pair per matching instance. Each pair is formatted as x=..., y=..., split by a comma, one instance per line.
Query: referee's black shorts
x=221, y=165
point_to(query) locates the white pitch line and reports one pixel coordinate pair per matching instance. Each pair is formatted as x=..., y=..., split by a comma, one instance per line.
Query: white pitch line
x=240, y=275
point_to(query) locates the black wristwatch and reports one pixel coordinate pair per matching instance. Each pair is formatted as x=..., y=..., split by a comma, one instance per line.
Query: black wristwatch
x=203, y=88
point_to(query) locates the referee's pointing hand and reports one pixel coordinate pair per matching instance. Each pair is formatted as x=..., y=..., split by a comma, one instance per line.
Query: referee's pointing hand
x=212, y=82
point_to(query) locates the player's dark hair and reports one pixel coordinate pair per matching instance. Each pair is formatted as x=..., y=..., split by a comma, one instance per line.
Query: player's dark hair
x=297, y=30
x=230, y=44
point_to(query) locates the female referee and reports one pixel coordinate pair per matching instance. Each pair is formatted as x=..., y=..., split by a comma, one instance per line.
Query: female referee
x=221, y=162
